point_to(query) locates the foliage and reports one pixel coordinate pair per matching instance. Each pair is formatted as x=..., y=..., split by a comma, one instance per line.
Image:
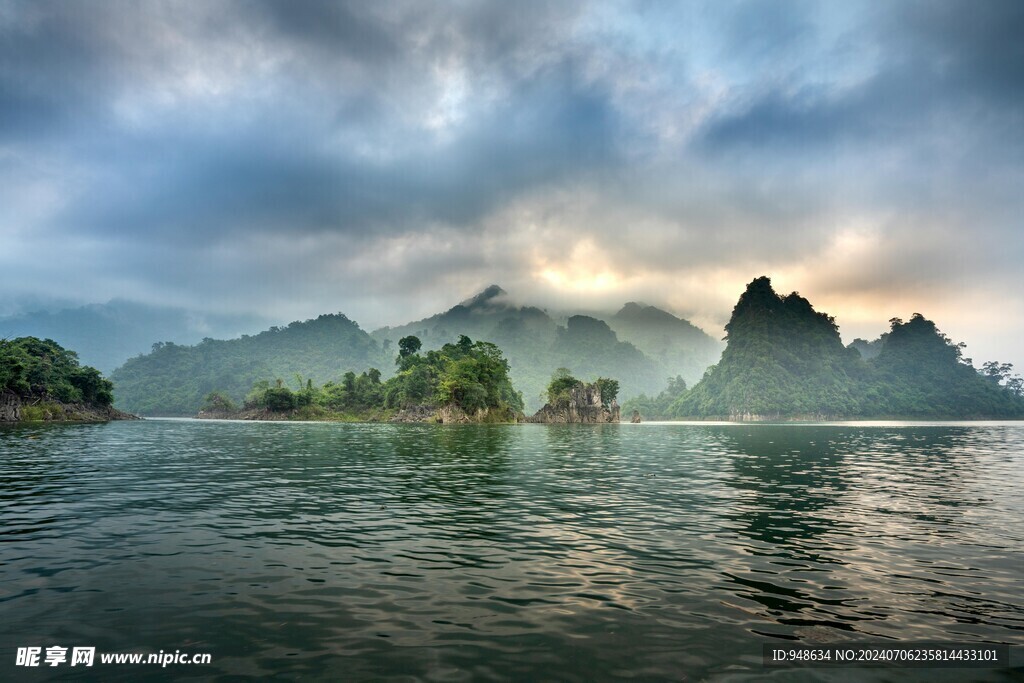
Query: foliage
x=657, y=407
x=218, y=402
x=560, y=387
x=40, y=369
x=640, y=345
x=471, y=376
x=609, y=389
x=407, y=346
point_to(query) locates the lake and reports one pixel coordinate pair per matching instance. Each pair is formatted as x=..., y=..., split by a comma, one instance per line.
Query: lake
x=525, y=552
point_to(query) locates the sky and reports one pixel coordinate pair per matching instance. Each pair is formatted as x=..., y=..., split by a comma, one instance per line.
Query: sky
x=389, y=159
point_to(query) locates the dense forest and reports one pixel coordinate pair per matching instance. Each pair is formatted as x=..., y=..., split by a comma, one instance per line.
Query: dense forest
x=39, y=379
x=462, y=381
x=783, y=359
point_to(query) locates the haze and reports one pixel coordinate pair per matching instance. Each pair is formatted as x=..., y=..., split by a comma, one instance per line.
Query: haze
x=387, y=160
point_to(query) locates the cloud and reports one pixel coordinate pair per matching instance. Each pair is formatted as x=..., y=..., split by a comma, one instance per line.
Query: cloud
x=390, y=159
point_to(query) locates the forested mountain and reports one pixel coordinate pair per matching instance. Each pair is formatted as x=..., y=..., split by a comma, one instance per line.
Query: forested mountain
x=680, y=347
x=173, y=379
x=641, y=345
x=106, y=335
x=784, y=360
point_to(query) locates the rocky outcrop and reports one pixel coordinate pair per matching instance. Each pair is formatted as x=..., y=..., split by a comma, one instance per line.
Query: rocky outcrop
x=635, y=419
x=584, y=405
x=10, y=407
x=13, y=409
x=452, y=414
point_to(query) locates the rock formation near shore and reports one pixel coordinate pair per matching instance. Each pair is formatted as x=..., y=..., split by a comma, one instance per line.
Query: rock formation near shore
x=584, y=405
x=10, y=407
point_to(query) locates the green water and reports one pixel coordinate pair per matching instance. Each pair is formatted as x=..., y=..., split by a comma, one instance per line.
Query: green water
x=525, y=552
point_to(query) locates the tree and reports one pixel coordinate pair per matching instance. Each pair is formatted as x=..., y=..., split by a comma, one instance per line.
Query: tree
x=408, y=346
x=560, y=387
x=609, y=389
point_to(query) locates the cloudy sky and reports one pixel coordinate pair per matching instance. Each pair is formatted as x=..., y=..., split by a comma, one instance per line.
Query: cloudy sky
x=388, y=159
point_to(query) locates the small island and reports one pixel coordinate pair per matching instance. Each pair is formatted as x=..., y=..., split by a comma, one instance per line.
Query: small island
x=42, y=381
x=573, y=401
x=462, y=382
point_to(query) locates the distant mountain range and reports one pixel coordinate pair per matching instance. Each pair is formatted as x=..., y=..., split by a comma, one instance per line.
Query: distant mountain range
x=641, y=346
x=106, y=335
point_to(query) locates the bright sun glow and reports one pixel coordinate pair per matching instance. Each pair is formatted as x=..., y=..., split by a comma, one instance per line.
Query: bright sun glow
x=585, y=269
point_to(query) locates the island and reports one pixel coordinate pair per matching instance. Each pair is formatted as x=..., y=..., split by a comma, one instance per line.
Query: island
x=42, y=381
x=462, y=382
x=573, y=401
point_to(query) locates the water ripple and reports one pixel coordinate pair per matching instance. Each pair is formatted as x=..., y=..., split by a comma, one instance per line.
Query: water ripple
x=405, y=552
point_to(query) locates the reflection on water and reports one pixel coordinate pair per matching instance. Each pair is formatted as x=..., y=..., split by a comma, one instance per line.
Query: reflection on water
x=565, y=552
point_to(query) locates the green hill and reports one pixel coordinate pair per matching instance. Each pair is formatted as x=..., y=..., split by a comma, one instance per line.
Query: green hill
x=785, y=360
x=41, y=380
x=174, y=379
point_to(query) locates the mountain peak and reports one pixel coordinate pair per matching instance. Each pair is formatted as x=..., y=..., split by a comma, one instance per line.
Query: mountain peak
x=485, y=297
x=634, y=311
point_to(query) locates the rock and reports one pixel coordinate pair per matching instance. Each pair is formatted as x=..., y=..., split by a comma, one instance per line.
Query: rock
x=10, y=407
x=636, y=417
x=584, y=406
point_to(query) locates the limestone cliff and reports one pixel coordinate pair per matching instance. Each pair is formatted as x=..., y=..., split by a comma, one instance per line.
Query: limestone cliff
x=584, y=405
x=10, y=407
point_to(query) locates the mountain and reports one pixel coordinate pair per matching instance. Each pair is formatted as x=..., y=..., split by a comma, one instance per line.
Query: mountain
x=173, y=379
x=868, y=349
x=783, y=359
x=635, y=346
x=680, y=347
x=920, y=372
x=106, y=335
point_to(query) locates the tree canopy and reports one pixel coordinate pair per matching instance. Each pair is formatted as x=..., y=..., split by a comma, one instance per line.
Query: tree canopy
x=471, y=376
x=41, y=368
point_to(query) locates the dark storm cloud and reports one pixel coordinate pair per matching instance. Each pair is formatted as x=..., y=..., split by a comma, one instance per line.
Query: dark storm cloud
x=936, y=59
x=198, y=186
x=186, y=178
x=262, y=149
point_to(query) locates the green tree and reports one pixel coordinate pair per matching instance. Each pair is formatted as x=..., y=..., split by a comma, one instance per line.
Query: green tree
x=609, y=389
x=408, y=346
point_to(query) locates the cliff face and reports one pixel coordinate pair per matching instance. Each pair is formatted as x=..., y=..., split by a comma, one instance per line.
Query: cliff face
x=10, y=407
x=584, y=406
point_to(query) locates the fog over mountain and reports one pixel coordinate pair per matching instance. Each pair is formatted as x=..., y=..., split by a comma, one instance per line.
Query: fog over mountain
x=106, y=335
x=640, y=346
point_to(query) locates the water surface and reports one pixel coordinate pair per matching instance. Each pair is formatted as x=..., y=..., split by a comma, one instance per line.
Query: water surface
x=529, y=552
